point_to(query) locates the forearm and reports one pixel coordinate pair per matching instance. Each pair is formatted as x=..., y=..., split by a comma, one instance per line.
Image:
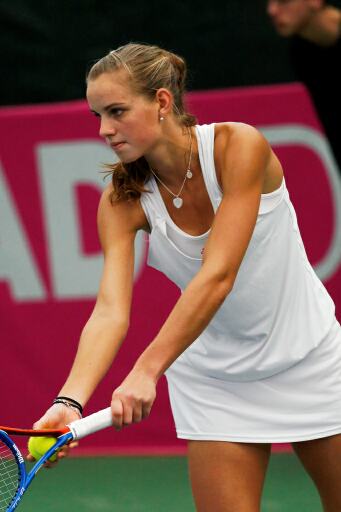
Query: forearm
x=190, y=316
x=99, y=343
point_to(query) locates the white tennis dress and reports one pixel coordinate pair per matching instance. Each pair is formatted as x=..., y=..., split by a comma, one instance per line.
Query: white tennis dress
x=268, y=366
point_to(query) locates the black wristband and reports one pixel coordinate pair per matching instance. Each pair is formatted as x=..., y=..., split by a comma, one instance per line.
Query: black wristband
x=71, y=401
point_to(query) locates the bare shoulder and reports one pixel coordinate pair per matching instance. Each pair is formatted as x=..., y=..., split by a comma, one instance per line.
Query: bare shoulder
x=239, y=147
x=118, y=220
x=233, y=137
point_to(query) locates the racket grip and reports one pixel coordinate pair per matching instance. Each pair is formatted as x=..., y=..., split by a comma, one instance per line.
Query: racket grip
x=97, y=421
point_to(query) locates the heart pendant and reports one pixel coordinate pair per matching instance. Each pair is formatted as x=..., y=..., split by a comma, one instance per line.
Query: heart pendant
x=177, y=201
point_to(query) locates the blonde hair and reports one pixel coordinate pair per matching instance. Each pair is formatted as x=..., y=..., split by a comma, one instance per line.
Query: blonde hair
x=149, y=68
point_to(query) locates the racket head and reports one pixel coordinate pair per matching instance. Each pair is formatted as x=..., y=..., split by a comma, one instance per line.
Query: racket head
x=14, y=479
x=19, y=480
x=12, y=473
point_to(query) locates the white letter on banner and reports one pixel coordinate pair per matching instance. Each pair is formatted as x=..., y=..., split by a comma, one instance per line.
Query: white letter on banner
x=17, y=265
x=62, y=167
x=299, y=135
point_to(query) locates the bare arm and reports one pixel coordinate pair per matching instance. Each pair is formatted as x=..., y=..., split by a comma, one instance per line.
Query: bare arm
x=243, y=168
x=108, y=323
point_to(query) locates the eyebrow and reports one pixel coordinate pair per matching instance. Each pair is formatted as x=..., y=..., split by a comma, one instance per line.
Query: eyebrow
x=108, y=107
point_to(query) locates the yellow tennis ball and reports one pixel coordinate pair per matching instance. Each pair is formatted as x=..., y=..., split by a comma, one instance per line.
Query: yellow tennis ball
x=38, y=446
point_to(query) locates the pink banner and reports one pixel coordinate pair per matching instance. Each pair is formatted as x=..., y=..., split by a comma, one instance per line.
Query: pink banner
x=50, y=258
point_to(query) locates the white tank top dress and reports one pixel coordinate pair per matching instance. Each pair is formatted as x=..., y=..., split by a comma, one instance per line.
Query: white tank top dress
x=267, y=368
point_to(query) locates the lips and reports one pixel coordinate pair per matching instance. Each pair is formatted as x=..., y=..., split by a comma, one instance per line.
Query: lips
x=117, y=145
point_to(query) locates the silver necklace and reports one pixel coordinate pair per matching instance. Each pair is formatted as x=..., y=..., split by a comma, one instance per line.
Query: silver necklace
x=177, y=200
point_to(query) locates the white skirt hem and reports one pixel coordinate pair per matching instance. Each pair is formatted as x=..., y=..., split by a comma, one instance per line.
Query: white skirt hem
x=272, y=439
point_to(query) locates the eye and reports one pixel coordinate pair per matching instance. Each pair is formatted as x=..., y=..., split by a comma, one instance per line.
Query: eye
x=117, y=112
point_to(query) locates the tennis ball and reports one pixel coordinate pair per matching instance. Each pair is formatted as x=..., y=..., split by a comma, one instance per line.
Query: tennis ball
x=38, y=446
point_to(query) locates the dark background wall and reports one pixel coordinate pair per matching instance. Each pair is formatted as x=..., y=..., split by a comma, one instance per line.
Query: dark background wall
x=46, y=45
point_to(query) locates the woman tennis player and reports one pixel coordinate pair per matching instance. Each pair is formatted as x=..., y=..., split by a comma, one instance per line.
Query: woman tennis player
x=252, y=348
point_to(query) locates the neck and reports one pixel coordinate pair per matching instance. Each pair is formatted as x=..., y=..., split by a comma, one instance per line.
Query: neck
x=324, y=27
x=170, y=156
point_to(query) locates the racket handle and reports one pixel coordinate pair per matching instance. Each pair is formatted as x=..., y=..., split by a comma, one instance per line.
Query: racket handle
x=90, y=424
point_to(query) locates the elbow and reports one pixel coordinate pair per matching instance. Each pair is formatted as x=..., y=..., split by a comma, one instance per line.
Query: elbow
x=109, y=321
x=222, y=285
x=223, y=288
x=120, y=325
x=220, y=277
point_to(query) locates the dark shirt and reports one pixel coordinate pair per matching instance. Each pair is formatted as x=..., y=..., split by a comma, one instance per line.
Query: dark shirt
x=319, y=69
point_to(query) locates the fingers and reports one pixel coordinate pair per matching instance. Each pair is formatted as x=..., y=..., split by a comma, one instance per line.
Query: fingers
x=127, y=409
x=117, y=412
x=146, y=410
x=49, y=464
x=65, y=450
x=40, y=424
x=57, y=416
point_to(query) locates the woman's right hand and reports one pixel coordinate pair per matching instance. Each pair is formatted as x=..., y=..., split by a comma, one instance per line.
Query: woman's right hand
x=57, y=416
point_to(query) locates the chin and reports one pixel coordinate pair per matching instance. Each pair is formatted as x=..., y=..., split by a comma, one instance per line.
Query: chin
x=129, y=159
x=127, y=156
x=284, y=30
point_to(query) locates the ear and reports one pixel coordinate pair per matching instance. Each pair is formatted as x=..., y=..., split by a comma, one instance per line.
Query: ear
x=165, y=100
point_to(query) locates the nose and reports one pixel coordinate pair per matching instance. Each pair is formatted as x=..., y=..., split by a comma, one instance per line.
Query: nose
x=107, y=128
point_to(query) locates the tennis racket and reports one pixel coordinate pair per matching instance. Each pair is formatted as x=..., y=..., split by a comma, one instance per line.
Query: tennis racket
x=14, y=479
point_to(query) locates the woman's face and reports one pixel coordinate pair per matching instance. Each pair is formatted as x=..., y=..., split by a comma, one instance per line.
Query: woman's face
x=129, y=121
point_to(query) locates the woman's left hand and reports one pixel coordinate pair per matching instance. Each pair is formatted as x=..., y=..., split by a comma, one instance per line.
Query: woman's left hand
x=133, y=399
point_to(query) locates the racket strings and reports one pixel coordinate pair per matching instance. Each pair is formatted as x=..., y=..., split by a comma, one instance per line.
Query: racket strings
x=9, y=476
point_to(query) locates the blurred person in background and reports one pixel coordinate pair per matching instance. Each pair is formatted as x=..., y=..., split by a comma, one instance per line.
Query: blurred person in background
x=315, y=29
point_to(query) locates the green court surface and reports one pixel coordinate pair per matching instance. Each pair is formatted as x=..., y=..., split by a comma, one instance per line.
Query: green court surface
x=153, y=484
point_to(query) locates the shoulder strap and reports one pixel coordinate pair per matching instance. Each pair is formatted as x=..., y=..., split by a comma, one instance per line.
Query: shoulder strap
x=205, y=137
